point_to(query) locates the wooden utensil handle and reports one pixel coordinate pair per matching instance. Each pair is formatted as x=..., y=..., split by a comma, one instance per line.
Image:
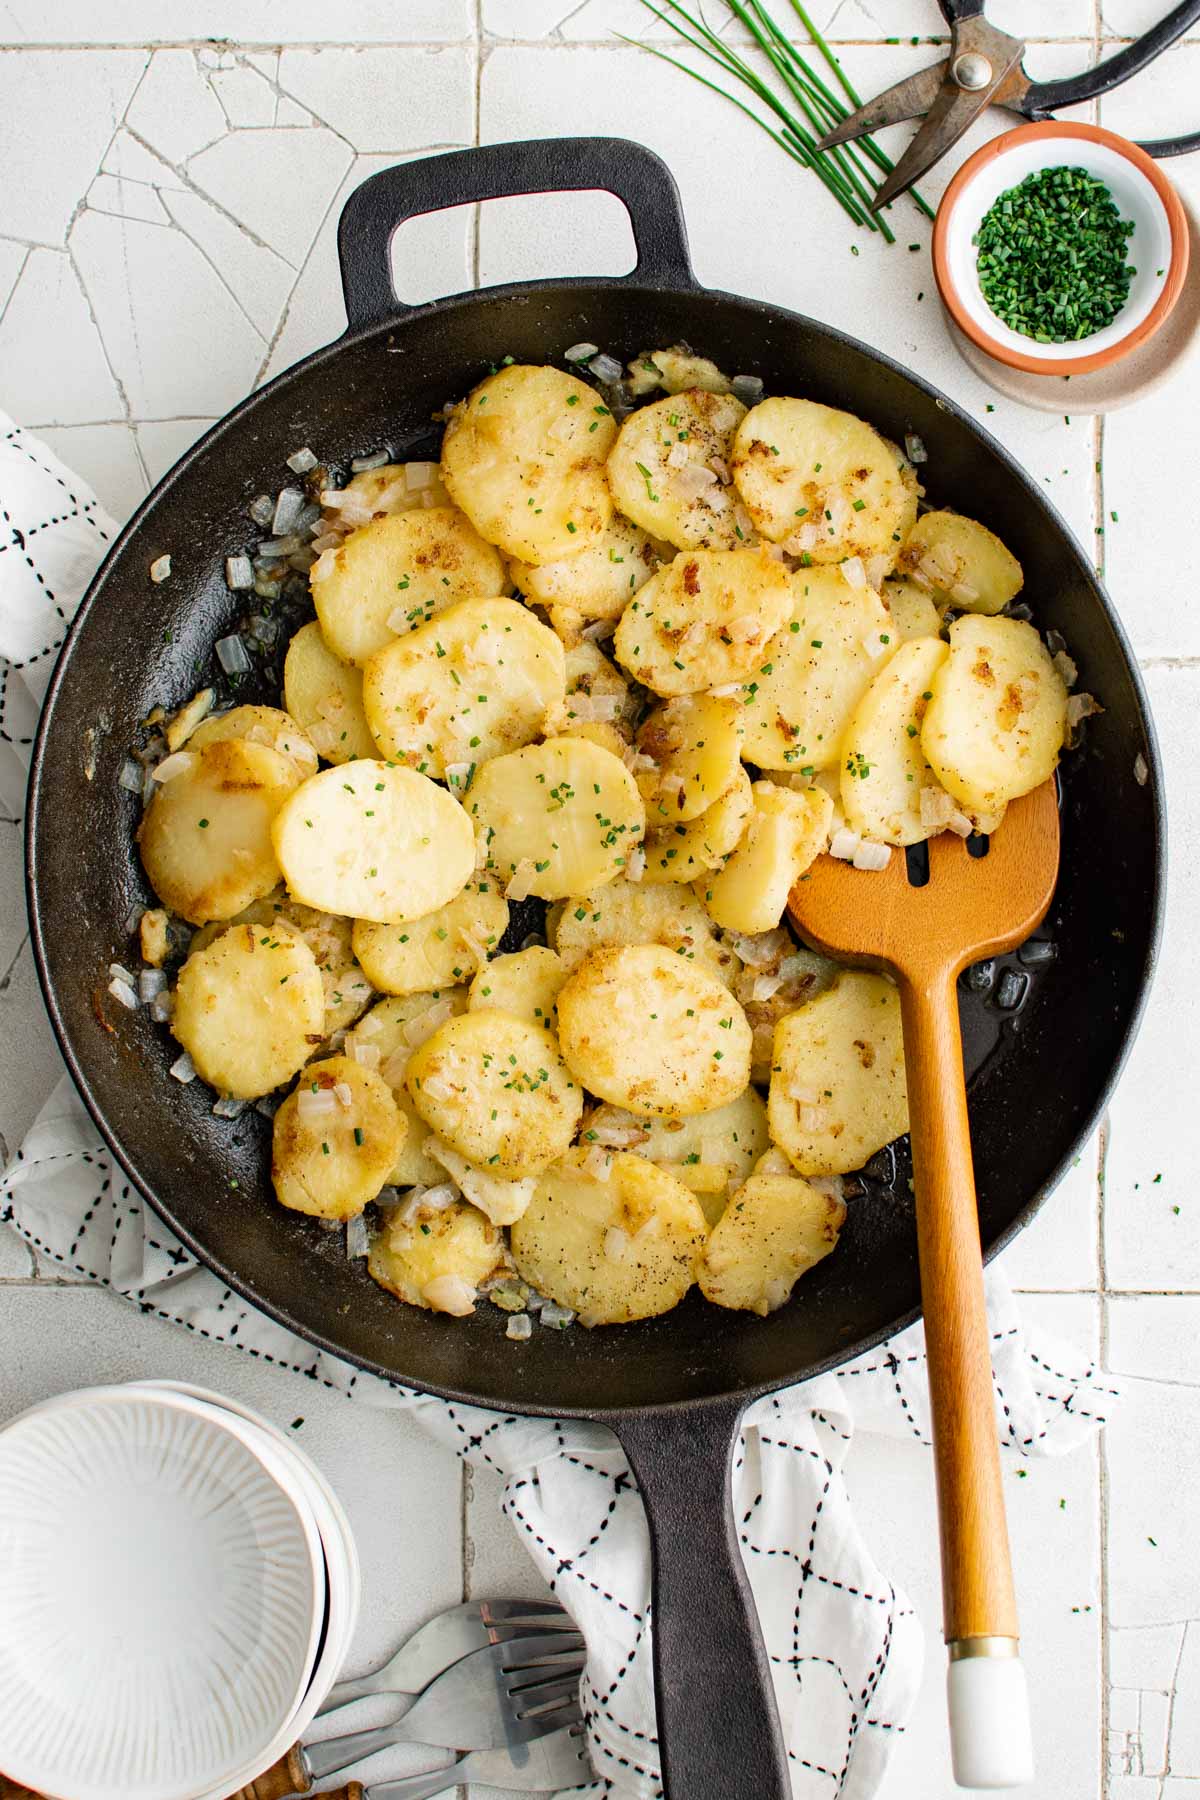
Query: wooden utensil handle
x=283, y=1778
x=977, y=1585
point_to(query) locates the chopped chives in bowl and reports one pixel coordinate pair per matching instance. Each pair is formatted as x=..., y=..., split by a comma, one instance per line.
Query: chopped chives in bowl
x=1051, y=256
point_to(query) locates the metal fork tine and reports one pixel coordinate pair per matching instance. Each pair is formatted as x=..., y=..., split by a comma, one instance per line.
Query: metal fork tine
x=566, y=1659
x=565, y=1704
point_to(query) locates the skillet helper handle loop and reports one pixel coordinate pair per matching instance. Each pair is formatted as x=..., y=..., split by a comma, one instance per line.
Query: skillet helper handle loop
x=718, y=1728
x=991, y=1743
x=638, y=178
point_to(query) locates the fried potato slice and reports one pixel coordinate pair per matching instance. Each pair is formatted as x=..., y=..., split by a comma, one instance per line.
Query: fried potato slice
x=821, y=481
x=911, y=608
x=324, y=696
x=704, y=620
x=438, y=1259
x=710, y=1152
x=683, y=853
x=205, y=837
x=695, y=743
x=649, y=1031
x=496, y=1089
x=774, y=1229
x=597, y=582
x=347, y=989
x=384, y=1040
x=331, y=1152
x=521, y=459
x=250, y=1008
x=524, y=983
x=784, y=835
x=396, y=573
x=813, y=673
x=963, y=562
x=883, y=765
x=561, y=817
x=615, y=1239
x=443, y=947
x=998, y=718
x=477, y=681
x=838, y=1092
x=630, y=912
x=661, y=469
x=374, y=842
x=268, y=725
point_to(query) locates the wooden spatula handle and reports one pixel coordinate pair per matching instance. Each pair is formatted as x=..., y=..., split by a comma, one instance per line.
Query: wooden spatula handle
x=283, y=1778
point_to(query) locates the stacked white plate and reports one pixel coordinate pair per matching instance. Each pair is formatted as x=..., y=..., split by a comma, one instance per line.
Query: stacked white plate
x=178, y=1591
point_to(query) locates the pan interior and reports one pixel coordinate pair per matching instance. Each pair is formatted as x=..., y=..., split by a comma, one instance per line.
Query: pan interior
x=1041, y=1070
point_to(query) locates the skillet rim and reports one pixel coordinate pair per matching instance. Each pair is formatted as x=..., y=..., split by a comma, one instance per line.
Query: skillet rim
x=783, y=318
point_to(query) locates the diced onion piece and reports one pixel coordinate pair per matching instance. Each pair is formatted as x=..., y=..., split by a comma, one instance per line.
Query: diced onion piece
x=124, y=992
x=315, y=1103
x=616, y=1244
x=581, y=352
x=520, y=882
x=937, y=808
x=262, y=509
x=428, y=1199
x=458, y=775
x=748, y=389
x=596, y=629
x=871, y=857
x=1084, y=706
x=876, y=642
x=964, y=593
x=812, y=1118
x=171, y=766
x=360, y=464
x=765, y=987
x=232, y=655
x=519, y=1327
x=162, y=1006
x=343, y=1093
x=677, y=456
x=1067, y=667
x=129, y=776
x=301, y=461
x=720, y=469
x=854, y=569
x=598, y=1162
x=119, y=972
x=438, y=1088
x=160, y=568
x=743, y=628
x=368, y=1056
x=877, y=567
x=775, y=1163
x=289, y=503
x=239, y=573
x=425, y=1024
x=452, y=1294
x=691, y=479
x=635, y=863
x=594, y=706
x=833, y=1185
x=555, y=1316
x=761, y=948
x=959, y=824
x=914, y=448
x=228, y=1108
x=605, y=368
x=150, y=982
x=844, y=844
x=1141, y=768
x=183, y=1069
x=804, y=1093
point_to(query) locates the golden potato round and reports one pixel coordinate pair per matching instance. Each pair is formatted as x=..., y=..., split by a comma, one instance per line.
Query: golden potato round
x=911, y=608
x=438, y=1259
x=396, y=573
x=374, y=842
x=652, y=1032
x=710, y=1152
x=695, y=744
x=838, y=1091
x=820, y=481
x=524, y=457
x=704, y=621
x=336, y=1136
x=324, y=696
x=205, y=837
x=250, y=1008
x=598, y=582
x=963, y=562
x=477, y=681
x=561, y=816
x=432, y=952
x=524, y=983
x=775, y=1229
x=497, y=1090
x=683, y=853
x=998, y=717
x=616, y=1246
x=784, y=835
x=631, y=912
x=347, y=989
x=259, y=725
x=814, y=672
x=884, y=770
x=661, y=469
x=384, y=1040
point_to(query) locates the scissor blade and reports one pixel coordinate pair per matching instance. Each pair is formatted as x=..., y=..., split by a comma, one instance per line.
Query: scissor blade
x=908, y=99
x=953, y=111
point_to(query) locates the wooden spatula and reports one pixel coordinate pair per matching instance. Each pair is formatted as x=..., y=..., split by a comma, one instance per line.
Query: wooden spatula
x=971, y=907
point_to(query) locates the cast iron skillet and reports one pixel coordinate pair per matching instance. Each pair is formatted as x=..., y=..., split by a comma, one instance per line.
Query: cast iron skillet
x=672, y=1389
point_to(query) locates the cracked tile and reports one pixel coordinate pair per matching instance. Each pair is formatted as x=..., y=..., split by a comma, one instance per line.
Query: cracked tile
x=1185, y=1718
x=247, y=100
x=107, y=459
x=1144, y=1656
x=1152, y=1227
x=12, y=261
x=133, y=161
x=276, y=183
x=59, y=113
x=65, y=380
x=259, y=278
x=126, y=199
x=244, y=21
x=16, y=1258
x=162, y=444
x=178, y=340
x=175, y=110
x=355, y=92
x=573, y=21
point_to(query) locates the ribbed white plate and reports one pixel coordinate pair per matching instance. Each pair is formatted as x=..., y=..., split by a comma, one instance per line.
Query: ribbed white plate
x=158, y=1599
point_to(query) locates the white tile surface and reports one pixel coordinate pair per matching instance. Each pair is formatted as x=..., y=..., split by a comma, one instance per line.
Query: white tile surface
x=182, y=196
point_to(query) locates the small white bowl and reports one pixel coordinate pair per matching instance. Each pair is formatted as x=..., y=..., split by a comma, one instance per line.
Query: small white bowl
x=162, y=1592
x=1159, y=248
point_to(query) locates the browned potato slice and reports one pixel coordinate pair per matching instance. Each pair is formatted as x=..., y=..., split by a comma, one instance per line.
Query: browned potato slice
x=775, y=1228
x=596, y=583
x=324, y=696
x=336, y=1136
x=998, y=718
x=661, y=469
x=630, y=912
x=838, y=1092
x=884, y=770
x=695, y=744
x=496, y=1089
x=522, y=459
x=347, y=989
x=962, y=561
x=205, y=838
x=250, y=1008
x=374, y=842
x=440, y=948
x=683, y=853
x=821, y=481
x=784, y=835
x=384, y=1040
x=645, y=1029
x=396, y=573
x=912, y=609
x=438, y=1259
x=259, y=725
x=559, y=817
x=704, y=621
x=710, y=1152
x=525, y=983
x=614, y=1238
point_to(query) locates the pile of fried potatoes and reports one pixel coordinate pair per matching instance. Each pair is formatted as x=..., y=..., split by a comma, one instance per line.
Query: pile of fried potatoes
x=645, y=672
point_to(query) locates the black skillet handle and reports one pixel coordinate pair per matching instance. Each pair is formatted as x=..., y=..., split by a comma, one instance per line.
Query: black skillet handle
x=718, y=1727
x=618, y=166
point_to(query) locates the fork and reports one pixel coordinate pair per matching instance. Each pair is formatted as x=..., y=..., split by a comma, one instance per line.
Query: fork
x=444, y=1641
x=547, y=1765
x=494, y=1699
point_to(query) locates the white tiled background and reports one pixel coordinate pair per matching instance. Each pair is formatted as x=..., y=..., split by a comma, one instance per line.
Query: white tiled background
x=167, y=220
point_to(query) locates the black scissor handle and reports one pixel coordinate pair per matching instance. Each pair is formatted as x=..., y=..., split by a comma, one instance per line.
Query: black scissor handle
x=955, y=11
x=1043, y=96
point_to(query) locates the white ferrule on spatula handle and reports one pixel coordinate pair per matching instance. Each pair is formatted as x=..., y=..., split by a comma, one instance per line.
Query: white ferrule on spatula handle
x=991, y=1741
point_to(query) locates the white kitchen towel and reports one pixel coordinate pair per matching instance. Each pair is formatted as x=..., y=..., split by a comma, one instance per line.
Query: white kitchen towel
x=844, y=1645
